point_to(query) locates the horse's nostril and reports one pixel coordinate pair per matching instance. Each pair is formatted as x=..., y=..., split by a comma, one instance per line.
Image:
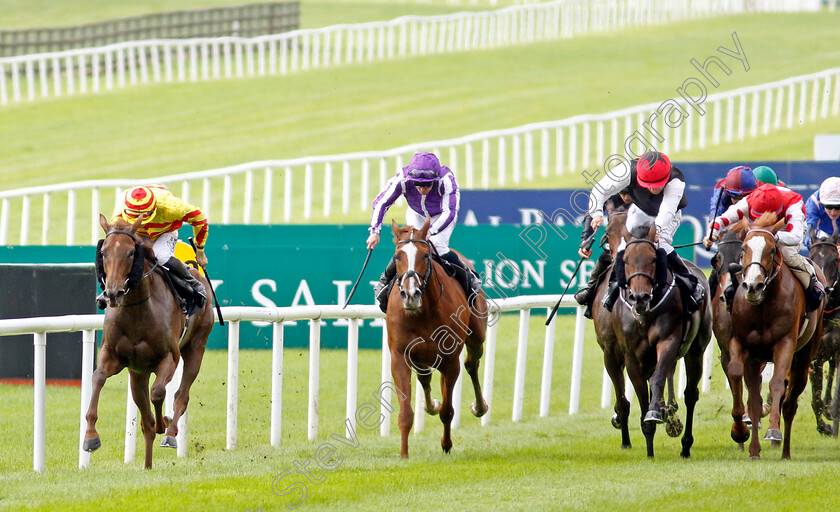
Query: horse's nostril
x=745, y=286
x=759, y=287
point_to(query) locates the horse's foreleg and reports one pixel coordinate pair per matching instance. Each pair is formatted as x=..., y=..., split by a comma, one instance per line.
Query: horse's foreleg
x=642, y=394
x=829, y=385
x=163, y=374
x=192, y=363
x=108, y=365
x=448, y=377
x=817, y=403
x=782, y=358
x=666, y=358
x=402, y=380
x=798, y=381
x=752, y=378
x=475, y=350
x=693, y=372
x=140, y=393
x=432, y=406
x=733, y=364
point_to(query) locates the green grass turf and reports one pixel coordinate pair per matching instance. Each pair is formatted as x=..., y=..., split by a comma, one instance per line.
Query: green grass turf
x=557, y=463
x=17, y=14
x=163, y=129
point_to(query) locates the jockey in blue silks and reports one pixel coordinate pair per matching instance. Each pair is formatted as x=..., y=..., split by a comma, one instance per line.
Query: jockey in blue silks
x=739, y=182
x=431, y=191
x=822, y=209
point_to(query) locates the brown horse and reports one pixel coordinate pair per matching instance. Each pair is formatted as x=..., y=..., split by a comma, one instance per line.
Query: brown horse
x=646, y=333
x=769, y=324
x=429, y=318
x=144, y=331
x=823, y=252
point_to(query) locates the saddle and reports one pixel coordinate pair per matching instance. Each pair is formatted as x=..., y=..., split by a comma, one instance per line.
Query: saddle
x=181, y=290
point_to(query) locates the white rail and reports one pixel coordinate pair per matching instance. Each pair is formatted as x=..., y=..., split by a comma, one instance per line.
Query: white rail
x=91, y=70
x=88, y=324
x=480, y=160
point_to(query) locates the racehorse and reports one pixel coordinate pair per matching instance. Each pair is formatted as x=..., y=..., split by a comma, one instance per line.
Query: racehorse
x=429, y=318
x=144, y=331
x=823, y=252
x=646, y=333
x=769, y=324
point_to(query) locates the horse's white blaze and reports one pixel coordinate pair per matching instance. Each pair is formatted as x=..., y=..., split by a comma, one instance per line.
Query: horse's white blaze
x=756, y=245
x=411, y=255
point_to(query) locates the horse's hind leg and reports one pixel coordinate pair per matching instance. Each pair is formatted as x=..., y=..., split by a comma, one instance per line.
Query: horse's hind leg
x=615, y=369
x=829, y=384
x=448, y=377
x=163, y=374
x=475, y=350
x=693, y=372
x=140, y=392
x=402, y=380
x=192, y=355
x=108, y=365
x=432, y=406
x=752, y=379
x=817, y=403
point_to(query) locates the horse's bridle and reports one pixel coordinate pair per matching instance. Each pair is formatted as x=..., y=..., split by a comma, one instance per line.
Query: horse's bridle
x=828, y=289
x=768, y=277
x=650, y=277
x=127, y=285
x=411, y=272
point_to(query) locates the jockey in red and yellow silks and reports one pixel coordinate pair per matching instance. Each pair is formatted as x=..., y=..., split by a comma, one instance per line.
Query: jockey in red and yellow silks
x=164, y=214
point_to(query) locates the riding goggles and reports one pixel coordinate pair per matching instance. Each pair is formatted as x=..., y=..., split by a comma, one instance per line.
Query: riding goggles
x=423, y=174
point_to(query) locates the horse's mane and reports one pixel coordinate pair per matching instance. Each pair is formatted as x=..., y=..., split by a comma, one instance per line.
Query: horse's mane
x=767, y=219
x=616, y=222
x=640, y=231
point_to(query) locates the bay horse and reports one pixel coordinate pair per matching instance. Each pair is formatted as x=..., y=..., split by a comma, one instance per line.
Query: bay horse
x=429, y=318
x=142, y=329
x=769, y=324
x=823, y=252
x=646, y=333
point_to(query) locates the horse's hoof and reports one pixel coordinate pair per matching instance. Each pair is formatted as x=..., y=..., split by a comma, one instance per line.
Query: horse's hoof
x=756, y=457
x=740, y=438
x=654, y=417
x=765, y=410
x=626, y=446
x=169, y=442
x=446, y=448
x=746, y=419
x=479, y=412
x=673, y=426
x=435, y=408
x=616, y=421
x=825, y=430
x=773, y=435
x=92, y=444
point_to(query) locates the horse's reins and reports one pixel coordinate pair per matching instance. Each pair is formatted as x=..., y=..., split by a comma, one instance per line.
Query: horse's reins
x=768, y=278
x=144, y=276
x=650, y=278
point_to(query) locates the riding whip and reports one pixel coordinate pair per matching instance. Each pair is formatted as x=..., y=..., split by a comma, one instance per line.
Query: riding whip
x=585, y=245
x=353, y=290
x=209, y=282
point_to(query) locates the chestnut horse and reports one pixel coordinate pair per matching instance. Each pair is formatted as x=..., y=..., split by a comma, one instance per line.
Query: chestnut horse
x=823, y=252
x=769, y=324
x=142, y=330
x=646, y=333
x=429, y=318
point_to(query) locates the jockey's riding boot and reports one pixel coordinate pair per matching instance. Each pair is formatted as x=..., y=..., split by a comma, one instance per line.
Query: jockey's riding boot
x=380, y=290
x=617, y=283
x=814, y=294
x=101, y=303
x=695, y=288
x=472, y=279
x=585, y=295
x=178, y=268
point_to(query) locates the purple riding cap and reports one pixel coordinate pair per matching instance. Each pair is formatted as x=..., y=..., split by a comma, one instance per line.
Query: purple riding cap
x=443, y=201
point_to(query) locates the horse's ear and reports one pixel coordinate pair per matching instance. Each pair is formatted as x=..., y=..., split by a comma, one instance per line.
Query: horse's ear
x=425, y=228
x=104, y=223
x=395, y=229
x=137, y=223
x=811, y=234
x=745, y=224
x=779, y=225
x=652, y=232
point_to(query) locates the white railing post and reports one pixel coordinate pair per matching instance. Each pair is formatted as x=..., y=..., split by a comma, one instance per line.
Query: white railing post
x=521, y=358
x=385, y=411
x=314, y=376
x=489, y=365
x=232, y=384
x=352, y=374
x=548, y=362
x=577, y=362
x=88, y=339
x=277, y=384
x=39, y=376
x=458, y=391
x=131, y=412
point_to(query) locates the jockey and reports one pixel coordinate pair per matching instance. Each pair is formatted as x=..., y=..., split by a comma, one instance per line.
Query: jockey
x=740, y=181
x=788, y=205
x=430, y=190
x=823, y=209
x=585, y=295
x=658, y=192
x=165, y=213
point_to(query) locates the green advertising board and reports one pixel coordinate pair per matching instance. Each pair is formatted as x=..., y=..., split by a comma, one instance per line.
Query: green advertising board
x=305, y=265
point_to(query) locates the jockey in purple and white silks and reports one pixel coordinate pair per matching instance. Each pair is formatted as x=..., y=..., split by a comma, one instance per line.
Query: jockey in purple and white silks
x=431, y=191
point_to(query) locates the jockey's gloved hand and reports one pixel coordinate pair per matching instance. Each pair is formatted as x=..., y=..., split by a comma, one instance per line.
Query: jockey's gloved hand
x=200, y=258
x=372, y=241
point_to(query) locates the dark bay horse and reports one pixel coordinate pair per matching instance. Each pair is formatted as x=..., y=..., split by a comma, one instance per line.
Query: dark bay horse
x=769, y=324
x=646, y=333
x=429, y=318
x=143, y=326
x=823, y=252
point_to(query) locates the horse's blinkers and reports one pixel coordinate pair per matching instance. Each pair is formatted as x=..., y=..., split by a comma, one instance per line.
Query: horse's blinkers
x=136, y=272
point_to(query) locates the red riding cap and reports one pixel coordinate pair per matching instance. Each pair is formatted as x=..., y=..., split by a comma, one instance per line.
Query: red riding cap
x=653, y=170
x=766, y=198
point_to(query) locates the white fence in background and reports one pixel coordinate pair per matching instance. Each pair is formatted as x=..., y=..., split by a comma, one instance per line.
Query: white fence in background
x=313, y=189
x=49, y=75
x=88, y=324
